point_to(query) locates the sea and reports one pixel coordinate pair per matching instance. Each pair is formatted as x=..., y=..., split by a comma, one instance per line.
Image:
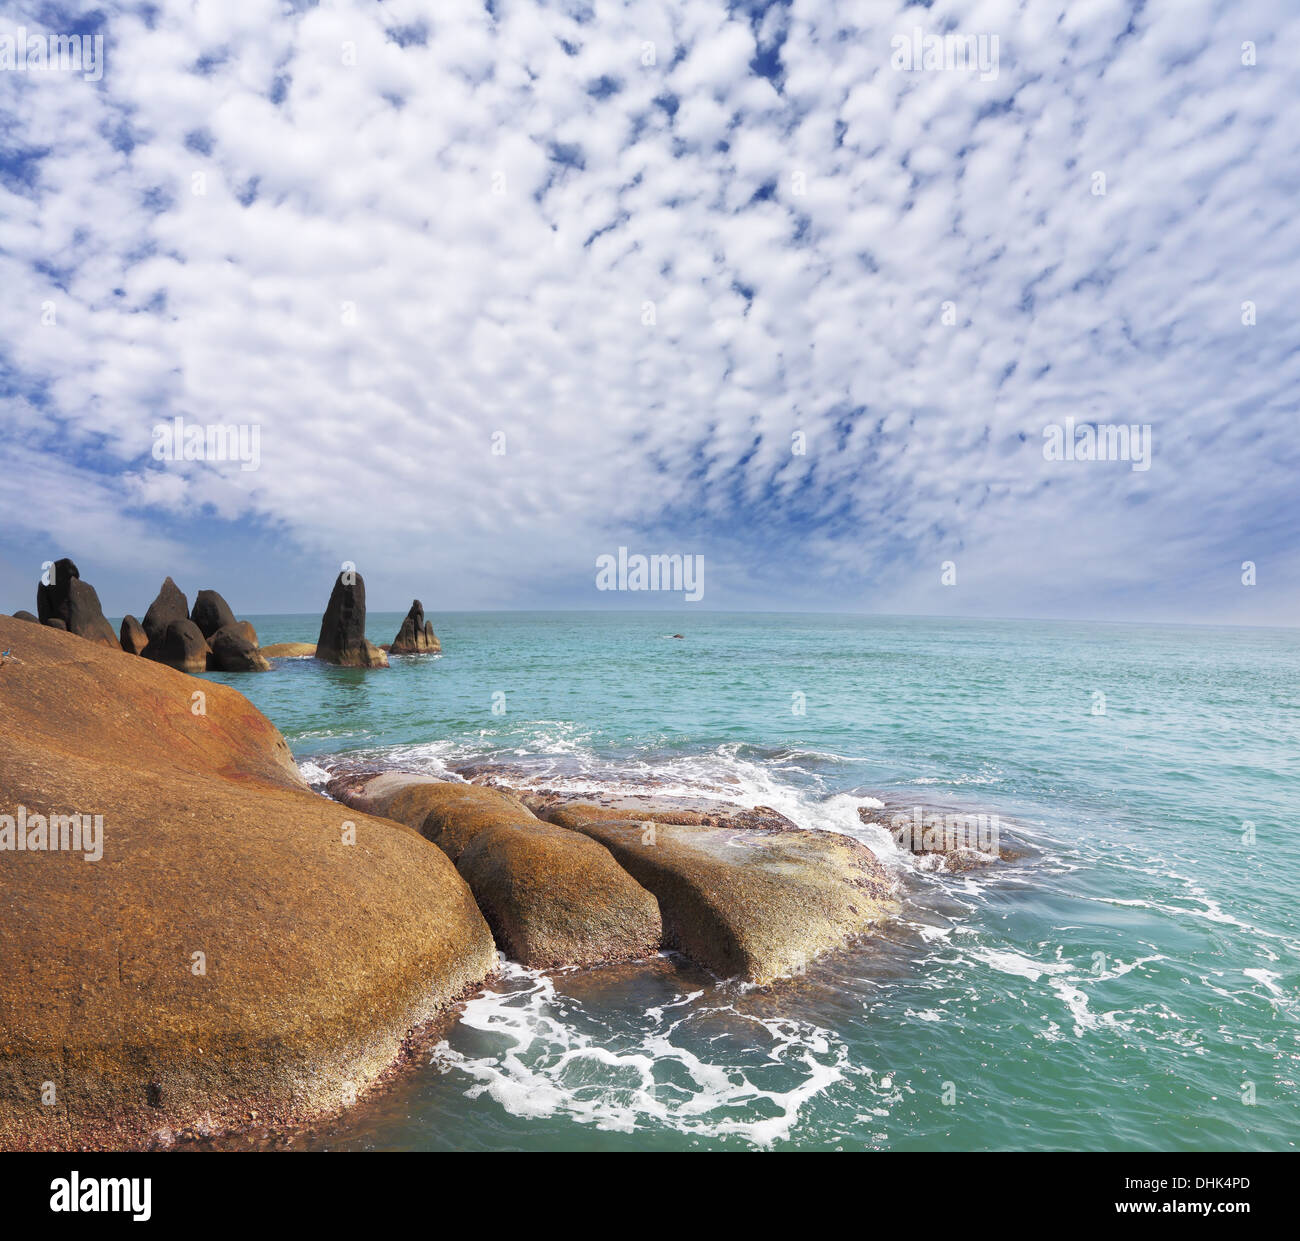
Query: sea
x=1128, y=980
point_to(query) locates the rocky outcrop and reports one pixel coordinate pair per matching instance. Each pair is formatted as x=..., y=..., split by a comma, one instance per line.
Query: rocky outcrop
x=73, y=604
x=241, y=947
x=759, y=902
x=132, y=636
x=943, y=839
x=23, y=615
x=342, y=638
x=211, y=612
x=180, y=646
x=170, y=605
x=551, y=896
x=289, y=650
x=416, y=636
x=231, y=651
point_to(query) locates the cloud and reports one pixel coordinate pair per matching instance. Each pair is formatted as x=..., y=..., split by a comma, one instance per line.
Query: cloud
x=646, y=250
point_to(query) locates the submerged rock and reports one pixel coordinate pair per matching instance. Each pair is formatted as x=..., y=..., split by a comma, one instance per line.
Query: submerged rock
x=551, y=896
x=211, y=612
x=169, y=605
x=289, y=650
x=180, y=646
x=242, y=947
x=416, y=636
x=231, y=651
x=342, y=638
x=759, y=902
x=949, y=840
x=132, y=636
x=73, y=604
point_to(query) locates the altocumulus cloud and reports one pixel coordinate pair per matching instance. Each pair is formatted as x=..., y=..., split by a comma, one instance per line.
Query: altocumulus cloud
x=649, y=249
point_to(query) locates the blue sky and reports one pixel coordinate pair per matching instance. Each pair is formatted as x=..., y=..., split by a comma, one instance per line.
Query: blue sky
x=505, y=287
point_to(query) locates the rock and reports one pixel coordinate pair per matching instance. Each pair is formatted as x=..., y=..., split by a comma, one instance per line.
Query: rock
x=679, y=635
x=289, y=650
x=572, y=810
x=27, y=616
x=553, y=897
x=55, y=623
x=416, y=636
x=170, y=605
x=211, y=612
x=180, y=646
x=319, y=956
x=550, y=899
x=342, y=638
x=231, y=651
x=74, y=603
x=947, y=840
x=754, y=902
x=245, y=630
x=132, y=636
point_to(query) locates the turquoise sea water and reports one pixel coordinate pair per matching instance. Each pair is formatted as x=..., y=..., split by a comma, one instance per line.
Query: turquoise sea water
x=1132, y=983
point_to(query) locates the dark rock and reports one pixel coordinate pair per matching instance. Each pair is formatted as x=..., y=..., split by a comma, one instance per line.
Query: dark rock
x=27, y=616
x=343, y=627
x=170, y=605
x=416, y=636
x=55, y=623
x=180, y=646
x=232, y=652
x=132, y=636
x=211, y=612
x=74, y=603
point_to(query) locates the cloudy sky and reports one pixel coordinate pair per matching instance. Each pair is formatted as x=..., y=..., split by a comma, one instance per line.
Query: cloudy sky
x=504, y=286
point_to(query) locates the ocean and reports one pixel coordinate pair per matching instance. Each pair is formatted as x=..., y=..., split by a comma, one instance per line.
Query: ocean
x=1131, y=982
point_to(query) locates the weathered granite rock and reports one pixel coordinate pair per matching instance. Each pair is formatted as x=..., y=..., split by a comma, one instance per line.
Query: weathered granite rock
x=23, y=615
x=211, y=612
x=289, y=650
x=550, y=899
x=74, y=603
x=342, y=638
x=132, y=636
x=758, y=902
x=945, y=839
x=237, y=949
x=416, y=636
x=180, y=646
x=231, y=651
x=169, y=605
x=55, y=623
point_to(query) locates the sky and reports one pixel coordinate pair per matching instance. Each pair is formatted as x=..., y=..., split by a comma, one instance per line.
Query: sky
x=503, y=287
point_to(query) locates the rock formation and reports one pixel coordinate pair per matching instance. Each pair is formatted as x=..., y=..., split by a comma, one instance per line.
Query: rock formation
x=132, y=636
x=343, y=627
x=169, y=606
x=416, y=636
x=180, y=646
x=231, y=651
x=23, y=615
x=74, y=604
x=211, y=612
x=289, y=650
x=242, y=948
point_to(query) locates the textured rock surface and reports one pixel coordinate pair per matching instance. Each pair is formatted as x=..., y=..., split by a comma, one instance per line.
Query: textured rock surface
x=319, y=956
x=211, y=612
x=231, y=651
x=755, y=901
x=289, y=650
x=132, y=636
x=180, y=646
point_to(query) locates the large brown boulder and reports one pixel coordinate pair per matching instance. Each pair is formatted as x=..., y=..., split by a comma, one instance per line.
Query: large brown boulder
x=24, y=615
x=169, y=605
x=231, y=651
x=211, y=612
x=242, y=948
x=132, y=636
x=73, y=604
x=551, y=896
x=416, y=636
x=758, y=902
x=342, y=637
x=180, y=646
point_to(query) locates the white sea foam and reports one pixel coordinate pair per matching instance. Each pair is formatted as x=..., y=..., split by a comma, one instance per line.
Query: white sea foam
x=667, y=1070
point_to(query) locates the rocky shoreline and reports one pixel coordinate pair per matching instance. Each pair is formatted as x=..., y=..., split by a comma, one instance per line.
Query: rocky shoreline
x=244, y=951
